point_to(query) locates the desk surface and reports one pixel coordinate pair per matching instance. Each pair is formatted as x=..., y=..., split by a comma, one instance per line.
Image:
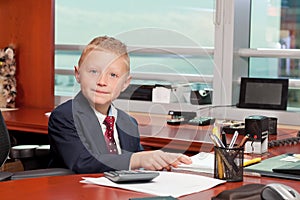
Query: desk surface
x=154, y=131
x=68, y=187
x=27, y=119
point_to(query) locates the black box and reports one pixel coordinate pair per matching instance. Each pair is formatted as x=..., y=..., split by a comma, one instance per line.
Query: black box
x=272, y=125
x=257, y=127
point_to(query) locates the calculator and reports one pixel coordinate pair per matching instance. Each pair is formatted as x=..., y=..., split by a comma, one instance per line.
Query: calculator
x=122, y=176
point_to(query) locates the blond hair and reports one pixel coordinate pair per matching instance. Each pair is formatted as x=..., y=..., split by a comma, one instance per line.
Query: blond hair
x=106, y=44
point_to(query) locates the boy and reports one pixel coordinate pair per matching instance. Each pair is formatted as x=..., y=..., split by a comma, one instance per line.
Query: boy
x=77, y=129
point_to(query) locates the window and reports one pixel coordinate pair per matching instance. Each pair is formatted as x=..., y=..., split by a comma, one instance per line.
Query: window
x=277, y=30
x=164, y=38
x=206, y=43
x=266, y=45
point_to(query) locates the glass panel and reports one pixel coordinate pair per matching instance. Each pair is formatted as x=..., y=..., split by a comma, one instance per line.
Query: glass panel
x=275, y=67
x=172, y=64
x=139, y=23
x=148, y=63
x=294, y=97
x=65, y=85
x=275, y=24
x=77, y=22
x=265, y=23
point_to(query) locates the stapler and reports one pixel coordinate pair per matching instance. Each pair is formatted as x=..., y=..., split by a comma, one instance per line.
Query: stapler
x=179, y=117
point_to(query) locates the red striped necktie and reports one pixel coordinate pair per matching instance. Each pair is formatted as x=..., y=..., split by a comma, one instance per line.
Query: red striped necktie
x=109, y=135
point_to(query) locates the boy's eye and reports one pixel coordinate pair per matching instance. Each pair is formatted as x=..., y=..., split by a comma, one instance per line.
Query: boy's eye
x=93, y=71
x=113, y=75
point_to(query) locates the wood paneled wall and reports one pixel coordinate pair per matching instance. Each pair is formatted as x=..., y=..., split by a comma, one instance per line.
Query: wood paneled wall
x=29, y=26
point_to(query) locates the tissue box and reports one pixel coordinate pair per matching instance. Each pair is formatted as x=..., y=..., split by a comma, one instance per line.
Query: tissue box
x=163, y=94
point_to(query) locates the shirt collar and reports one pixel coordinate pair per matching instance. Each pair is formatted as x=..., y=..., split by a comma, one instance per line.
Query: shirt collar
x=111, y=112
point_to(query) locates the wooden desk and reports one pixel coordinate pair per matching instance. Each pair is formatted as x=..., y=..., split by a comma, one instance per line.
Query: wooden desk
x=189, y=139
x=68, y=187
x=153, y=129
x=31, y=120
x=155, y=133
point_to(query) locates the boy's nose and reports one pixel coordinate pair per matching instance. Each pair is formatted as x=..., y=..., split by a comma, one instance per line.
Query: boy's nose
x=102, y=80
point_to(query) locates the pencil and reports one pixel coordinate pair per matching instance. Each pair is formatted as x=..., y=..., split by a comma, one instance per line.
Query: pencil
x=244, y=140
x=220, y=167
x=252, y=161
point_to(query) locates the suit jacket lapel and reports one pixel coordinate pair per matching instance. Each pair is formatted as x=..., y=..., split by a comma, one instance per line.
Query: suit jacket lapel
x=88, y=127
x=124, y=130
x=90, y=132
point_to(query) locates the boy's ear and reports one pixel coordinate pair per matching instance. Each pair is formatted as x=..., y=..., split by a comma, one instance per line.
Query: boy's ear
x=77, y=75
x=126, y=83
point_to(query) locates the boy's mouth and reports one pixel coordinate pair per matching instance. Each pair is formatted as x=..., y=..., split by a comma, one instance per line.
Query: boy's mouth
x=101, y=92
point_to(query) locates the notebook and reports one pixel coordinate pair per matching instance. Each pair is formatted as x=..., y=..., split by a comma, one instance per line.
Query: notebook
x=288, y=169
x=270, y=166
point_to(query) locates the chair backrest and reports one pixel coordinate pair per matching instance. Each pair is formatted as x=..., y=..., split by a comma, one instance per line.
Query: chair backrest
x=4, y=141
x=5, y=147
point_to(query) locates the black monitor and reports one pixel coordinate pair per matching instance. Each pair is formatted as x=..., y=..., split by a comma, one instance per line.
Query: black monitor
x=263, y=93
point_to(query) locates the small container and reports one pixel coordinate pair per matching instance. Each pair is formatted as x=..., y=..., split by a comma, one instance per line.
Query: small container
x=229, y=163
x=272, y=125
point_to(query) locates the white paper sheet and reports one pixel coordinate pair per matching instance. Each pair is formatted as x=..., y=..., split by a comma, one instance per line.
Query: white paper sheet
x=201, y=162
x=166, y=184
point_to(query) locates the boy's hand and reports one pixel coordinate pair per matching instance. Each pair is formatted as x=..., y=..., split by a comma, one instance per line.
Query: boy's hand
x=157, y=160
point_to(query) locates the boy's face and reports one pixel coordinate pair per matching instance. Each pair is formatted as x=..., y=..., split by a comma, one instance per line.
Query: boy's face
x=102, y=76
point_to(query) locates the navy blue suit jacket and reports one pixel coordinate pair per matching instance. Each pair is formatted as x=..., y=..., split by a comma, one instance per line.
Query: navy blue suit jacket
x=77, y=141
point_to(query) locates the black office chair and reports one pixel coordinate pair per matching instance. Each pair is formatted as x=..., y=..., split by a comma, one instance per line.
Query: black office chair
x=5, y=148
x=31, y=156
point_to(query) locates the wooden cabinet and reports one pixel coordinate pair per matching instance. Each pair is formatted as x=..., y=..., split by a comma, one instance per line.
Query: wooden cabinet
x=29, y=26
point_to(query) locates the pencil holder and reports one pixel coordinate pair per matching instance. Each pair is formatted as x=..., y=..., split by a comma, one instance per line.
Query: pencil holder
x=229, y=163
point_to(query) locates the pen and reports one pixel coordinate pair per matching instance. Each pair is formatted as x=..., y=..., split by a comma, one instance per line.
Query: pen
x=218, y=141
x=244, y=140
x=223, y=135
x=213, y=139
x=229, y=163
x=252, y=161
x=235, y=135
